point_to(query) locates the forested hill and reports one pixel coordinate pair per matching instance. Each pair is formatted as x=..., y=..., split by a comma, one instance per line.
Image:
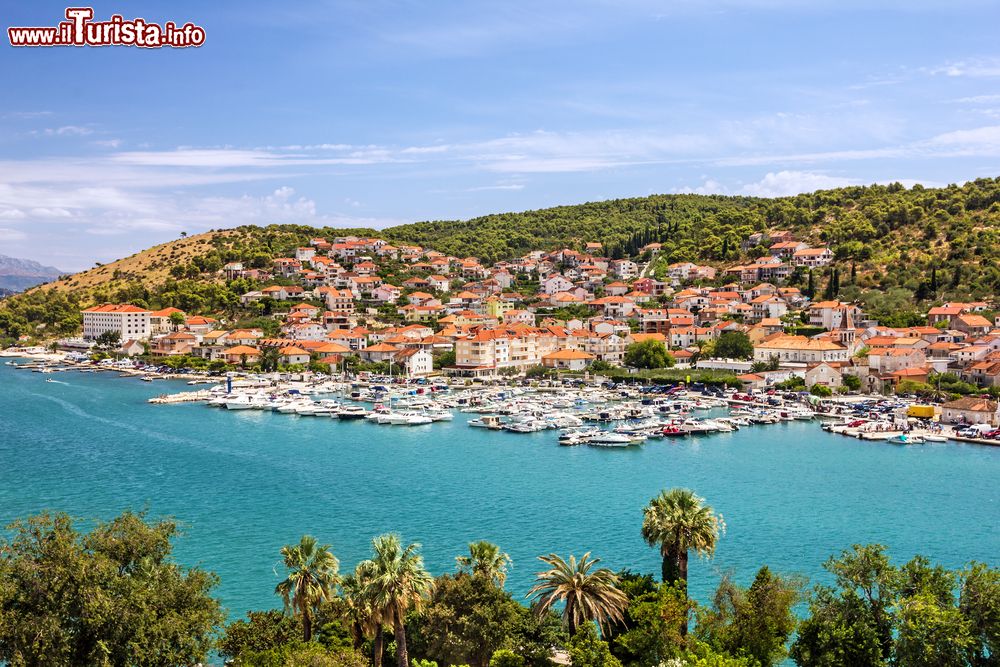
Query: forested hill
x=883, y=229
x=902, y=248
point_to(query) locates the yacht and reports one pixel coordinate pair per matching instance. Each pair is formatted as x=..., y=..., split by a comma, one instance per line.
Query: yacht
x=239, y=402
x=407, y=419
x=610, y=439
x=352, y=412
x=438, y=414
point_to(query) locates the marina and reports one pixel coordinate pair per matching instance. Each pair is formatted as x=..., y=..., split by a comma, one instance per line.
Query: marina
x=244, y=482
x=633, y=414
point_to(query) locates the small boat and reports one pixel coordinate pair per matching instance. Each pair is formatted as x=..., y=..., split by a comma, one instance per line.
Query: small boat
x=487, y=421
x=438, y=415
x=50, y=380
x=934, y=437
x=673, y=432
x=905, y=439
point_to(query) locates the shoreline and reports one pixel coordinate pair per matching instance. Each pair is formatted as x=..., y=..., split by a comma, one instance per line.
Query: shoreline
x=39, y=360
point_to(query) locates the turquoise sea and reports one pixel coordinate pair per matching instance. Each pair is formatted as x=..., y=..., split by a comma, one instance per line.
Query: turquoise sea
x=245, y=483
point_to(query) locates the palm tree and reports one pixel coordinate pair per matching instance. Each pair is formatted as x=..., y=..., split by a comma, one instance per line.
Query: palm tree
x=678, y=521
x=588, y=596
x=396, y=582
x=486, y=559
x=312, y=578
x=365, y=618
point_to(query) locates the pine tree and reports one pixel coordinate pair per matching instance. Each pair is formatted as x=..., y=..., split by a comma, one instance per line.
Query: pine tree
x=811, y=286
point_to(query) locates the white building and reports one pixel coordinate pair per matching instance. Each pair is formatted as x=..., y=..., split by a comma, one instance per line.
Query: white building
x=131, y=322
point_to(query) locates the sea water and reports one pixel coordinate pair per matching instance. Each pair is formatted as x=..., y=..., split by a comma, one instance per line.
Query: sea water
x=244, y=483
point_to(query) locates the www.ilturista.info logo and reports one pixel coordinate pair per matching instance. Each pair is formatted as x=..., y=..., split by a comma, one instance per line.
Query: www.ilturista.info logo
x=81, y=30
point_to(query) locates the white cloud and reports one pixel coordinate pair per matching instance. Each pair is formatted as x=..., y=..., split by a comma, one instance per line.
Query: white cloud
x=11, y=235
x=972, y=68
x=785, y=183
x=978, y=99
x=499, y=186
x=67, y=131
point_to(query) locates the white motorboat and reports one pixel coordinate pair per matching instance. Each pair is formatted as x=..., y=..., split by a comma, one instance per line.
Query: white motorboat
x=351, y=412
x=240, y=402
x=438, y=414
x=306, y=408
x=406, y=419
x=610, y=439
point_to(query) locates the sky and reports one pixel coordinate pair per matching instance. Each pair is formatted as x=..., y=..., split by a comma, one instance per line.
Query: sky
x=378, y=112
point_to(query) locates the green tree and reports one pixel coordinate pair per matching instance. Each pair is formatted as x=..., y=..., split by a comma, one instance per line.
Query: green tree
x=678, y=521
x=852, y=382
x=177, y=320
x=931, y=634
x=587, y=596
x=261, y=631
x=586, y=649
x=649, y=354
x=505, y=657
x=485, y=559
x=734, y=345
x=865, y=569
x=755, y=622
x=821, y=390
x=110, y=597
x=109, y=340
x=979, y=603
x=467, y=619
x=651, y=632
x=839, y=631
x=397, y=583
x=363, y=613
x=312, y=580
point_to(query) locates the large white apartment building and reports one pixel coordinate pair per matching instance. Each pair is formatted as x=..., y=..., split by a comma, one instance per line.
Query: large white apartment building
x=131, y=322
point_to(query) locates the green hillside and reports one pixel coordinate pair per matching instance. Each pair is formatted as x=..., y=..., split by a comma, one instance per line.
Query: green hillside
x=893, y=235
x=896, y=248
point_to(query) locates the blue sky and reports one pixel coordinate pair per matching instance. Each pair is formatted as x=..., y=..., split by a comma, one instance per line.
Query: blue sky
x=376, y=112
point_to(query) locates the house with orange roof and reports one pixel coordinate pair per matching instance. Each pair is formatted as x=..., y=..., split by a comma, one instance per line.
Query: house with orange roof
x=614, y=306
x=617, y=288
x=812, y=257
x=159, y=320
x=438, y=282
x=292, y=354
x=200, y=325
x=570, y=360
x=378, y=352
x=174, y=343
x=414, y=361
x=972, y=324
x=799, y=349
x=241, y=355
x=786, y=249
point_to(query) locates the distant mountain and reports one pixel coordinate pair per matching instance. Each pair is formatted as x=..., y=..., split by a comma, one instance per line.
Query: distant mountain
x=19, y=274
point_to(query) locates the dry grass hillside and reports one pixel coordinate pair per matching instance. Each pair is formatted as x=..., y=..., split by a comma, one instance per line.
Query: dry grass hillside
x=150, y=267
